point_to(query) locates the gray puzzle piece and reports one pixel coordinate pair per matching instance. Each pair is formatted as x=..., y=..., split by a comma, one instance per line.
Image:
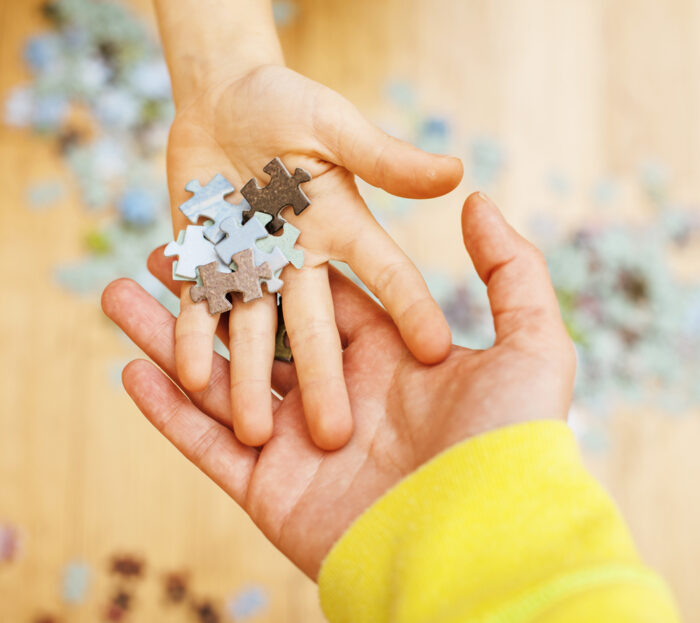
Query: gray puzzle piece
x=243, y=237
x=193, y=250
x=240, y=237
x=208, y=201
x=284, y=242
x=276, y=261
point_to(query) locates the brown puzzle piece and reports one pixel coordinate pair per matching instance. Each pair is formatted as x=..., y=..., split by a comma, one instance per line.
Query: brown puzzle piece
x=215, y=285
x=281, y=191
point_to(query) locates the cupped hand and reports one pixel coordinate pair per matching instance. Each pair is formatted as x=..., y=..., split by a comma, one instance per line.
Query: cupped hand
x=235, y=128
x=405, y=412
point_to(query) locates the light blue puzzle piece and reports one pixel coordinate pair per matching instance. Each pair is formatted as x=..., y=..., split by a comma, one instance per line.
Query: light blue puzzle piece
x=276, y=261
x=240, y=238
x=177, y=277
x=76, y=581
x=193, y=250
x=285, y=243
x=209, y=201
x=248, y=602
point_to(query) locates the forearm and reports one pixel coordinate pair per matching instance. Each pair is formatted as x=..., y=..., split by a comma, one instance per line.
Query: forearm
x=206, y=41
x=507, y=526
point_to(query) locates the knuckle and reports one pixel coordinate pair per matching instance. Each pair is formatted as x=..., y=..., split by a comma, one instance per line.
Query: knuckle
x=534, y=255
x=249, y=337
x=205, y=443
x=312, y=332
x=389, y=275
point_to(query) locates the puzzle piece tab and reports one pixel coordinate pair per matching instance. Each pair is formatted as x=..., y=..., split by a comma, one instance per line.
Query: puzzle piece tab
x=193, y=250
x=281, y=191
x=285, y=243
x=239, y=238
x=276, y=261
x=215, y=286
x=209, y=201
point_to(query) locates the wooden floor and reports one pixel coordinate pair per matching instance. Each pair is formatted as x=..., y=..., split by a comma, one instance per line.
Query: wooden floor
x=589, y=86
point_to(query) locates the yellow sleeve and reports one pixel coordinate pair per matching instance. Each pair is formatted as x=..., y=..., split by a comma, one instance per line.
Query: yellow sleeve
x=505, y=527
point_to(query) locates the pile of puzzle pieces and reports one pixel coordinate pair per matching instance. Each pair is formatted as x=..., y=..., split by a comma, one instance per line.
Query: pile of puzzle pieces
x=235, y=250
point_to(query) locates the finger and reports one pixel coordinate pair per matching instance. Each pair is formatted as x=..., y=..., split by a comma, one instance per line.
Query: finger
x=314, y=339
x=283, y=373
x=515, y=272
x=355, y=311
x=379, y=159
x=388, y=272
x=252, y=328
x=152, y=328
x=161, y=268
x=209, y=445
x=194, y=341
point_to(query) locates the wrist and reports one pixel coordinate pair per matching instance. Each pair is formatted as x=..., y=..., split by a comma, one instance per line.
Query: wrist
x=196, y=75
x=206, y=43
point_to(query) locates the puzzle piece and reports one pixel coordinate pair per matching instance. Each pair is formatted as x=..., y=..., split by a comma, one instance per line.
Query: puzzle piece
x=76, y=581
x=239, y=238
x=209, y=201
x=281, y=191
x=245, y=280
x=193, y=250
x=283, y=352
x=285, y=243
x=177, y=277
x=276, y=261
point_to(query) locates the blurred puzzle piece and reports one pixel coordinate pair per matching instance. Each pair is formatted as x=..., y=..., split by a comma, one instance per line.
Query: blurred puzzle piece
x=127, y=566
x=10, y=542
x=215, y=285
x=248, y=602
x=76, y=581
x=175, y=586
x=281, y=191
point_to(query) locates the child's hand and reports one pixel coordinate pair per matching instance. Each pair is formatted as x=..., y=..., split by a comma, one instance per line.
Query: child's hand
x=405, y=412
x=235, y=128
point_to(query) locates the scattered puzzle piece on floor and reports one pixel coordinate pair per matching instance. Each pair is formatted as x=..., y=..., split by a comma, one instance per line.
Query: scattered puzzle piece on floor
x=281, y=191
x=248, y=602
x=76, y=581
x=206, y=612
x=10, y=543
x=128, y=566
x=119, y=606
x=285, y=242
x=209, y=201
x=175, y=585
x=193, y=250
x=215, y=286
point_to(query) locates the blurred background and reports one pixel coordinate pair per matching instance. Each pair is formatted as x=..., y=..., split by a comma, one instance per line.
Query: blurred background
x=580, y=117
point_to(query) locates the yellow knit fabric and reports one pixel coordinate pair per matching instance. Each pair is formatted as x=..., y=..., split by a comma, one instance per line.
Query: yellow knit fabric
x=506, y=527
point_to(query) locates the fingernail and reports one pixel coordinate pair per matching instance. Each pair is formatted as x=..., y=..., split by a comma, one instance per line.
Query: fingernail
x=486, y=199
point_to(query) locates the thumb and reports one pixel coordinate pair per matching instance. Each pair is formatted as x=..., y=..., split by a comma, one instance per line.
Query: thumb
x=382, y=160
x=515, y=273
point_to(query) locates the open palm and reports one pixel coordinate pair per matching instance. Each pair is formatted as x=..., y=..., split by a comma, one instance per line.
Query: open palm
x=303, y=498
x=235, y=128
